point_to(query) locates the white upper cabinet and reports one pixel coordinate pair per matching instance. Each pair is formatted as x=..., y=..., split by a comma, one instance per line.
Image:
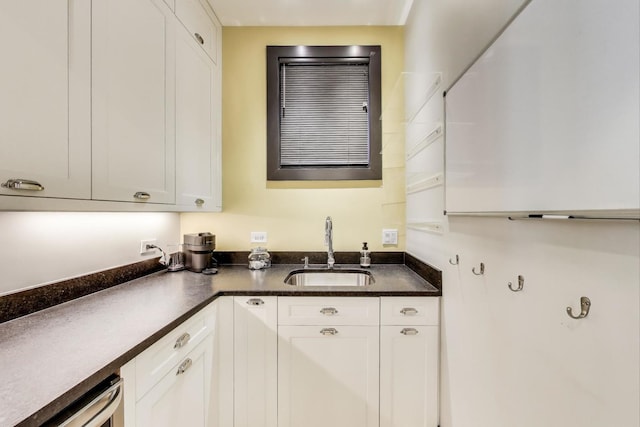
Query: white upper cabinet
x=133, y=98
x=198, y=162
x=546, y=119
x=199, y=23
x=45, y=98
x=108, y=101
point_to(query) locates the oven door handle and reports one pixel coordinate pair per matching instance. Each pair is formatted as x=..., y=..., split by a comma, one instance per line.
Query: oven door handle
x=112, y=395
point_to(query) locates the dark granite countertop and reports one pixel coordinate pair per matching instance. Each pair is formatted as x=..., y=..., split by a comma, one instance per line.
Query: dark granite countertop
x=52, y=357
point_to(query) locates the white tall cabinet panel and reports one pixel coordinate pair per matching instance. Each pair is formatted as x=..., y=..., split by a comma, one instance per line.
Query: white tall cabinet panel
x=328, y=376
x=133, y=101
x=45, y=97
x=256, y=361
x=198, y=160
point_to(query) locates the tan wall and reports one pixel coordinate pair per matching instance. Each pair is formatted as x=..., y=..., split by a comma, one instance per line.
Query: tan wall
x=293, y=213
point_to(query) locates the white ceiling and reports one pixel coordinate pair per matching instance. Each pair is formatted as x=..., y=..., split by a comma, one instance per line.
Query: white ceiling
x=311, y=12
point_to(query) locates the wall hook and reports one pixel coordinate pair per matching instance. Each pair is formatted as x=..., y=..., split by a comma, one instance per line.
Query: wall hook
x=455, y=263
x=473, y=270
x=520, y=284
x=585, y=305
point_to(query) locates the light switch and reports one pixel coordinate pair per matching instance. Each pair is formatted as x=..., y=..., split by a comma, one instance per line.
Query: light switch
x=258, y=237
x=389, y=236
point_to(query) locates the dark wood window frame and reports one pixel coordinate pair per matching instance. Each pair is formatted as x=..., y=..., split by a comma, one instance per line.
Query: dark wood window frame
x=277, y=172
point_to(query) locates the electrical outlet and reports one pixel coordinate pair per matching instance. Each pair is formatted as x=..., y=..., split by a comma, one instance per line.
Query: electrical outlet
x=143, y=246
x=258, y=237
x=389, y=236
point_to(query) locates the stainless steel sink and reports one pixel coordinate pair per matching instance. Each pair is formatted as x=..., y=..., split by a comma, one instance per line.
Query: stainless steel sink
x=325, y=277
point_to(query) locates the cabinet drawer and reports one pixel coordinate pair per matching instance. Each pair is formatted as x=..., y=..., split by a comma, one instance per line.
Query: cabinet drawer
x=195, y=17
x=328, y=311
x=410, y=310
x=180, y=396
x=161, y=357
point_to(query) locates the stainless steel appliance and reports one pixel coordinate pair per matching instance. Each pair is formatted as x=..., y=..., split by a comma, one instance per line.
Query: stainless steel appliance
x=99, y=407
x=198, y=249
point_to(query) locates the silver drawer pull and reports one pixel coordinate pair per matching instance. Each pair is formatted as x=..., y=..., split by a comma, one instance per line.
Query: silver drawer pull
x=184, y=366
x=329, y=311
x=22, y=184
x=409, y=331
x=199, y=38
x=329, y=331
x=141, y=195
x=255, y=301
x=182, y=341
x=199, y=202
x=409, y=311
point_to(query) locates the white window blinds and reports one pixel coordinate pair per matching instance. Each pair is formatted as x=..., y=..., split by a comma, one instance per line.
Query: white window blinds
x=324, y=114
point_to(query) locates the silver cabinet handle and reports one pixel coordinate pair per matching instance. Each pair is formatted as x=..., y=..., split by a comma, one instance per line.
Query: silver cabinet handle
x=199, y=202
x=329, y=331
x=184, y=366
x=199, y=38
x=182, y=341
x=141, y=195
x=22, y=184
x=409, y=331
x=409, y=311
x=255, y=301
x=329, y=311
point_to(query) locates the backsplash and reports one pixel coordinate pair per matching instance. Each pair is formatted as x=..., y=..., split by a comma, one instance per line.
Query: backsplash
x=29, y=301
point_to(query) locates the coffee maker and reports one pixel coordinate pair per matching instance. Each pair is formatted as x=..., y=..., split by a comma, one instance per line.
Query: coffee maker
x=198, y=251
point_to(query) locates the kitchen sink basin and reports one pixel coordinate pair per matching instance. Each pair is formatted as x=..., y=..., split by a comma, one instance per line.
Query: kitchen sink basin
x=326, y=277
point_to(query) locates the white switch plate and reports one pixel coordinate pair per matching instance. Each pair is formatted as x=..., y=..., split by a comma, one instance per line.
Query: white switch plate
x=389, y=236
x=258, y=237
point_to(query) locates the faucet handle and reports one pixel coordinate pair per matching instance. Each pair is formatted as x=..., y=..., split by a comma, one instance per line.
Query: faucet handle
x=306, y=261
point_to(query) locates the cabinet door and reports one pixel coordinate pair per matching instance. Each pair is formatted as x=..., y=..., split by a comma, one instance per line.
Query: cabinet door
x=197, y=145
x=256, y=361
x=181, y=397
x=328, y=376
x=45, y=133
x=408, y=376
x=133, y=120
x=221, y=404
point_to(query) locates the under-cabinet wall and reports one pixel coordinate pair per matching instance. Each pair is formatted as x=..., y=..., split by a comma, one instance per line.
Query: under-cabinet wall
x=516, y=358
x=38, y=248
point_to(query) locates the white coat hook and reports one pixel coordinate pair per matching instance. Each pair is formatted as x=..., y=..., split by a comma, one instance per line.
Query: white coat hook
x=454, y=263
x=479, y=273
x=585, y=305
x=520, y=284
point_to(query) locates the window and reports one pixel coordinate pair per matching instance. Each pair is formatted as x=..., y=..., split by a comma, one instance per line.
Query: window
x=323, y=111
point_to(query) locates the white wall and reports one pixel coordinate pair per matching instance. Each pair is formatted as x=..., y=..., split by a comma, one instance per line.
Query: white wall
x=517, y=359
x=43, y=247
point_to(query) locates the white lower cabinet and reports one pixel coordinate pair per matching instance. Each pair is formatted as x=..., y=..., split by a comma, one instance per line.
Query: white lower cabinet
x=328, y=376
x=169, y=384
x=409, y=350
x=244, y=362
x=408, y=376
x=181, y=397
x=255, y=361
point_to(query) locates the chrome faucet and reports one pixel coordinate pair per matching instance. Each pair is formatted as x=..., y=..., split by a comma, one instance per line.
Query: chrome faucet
x=328, y=241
